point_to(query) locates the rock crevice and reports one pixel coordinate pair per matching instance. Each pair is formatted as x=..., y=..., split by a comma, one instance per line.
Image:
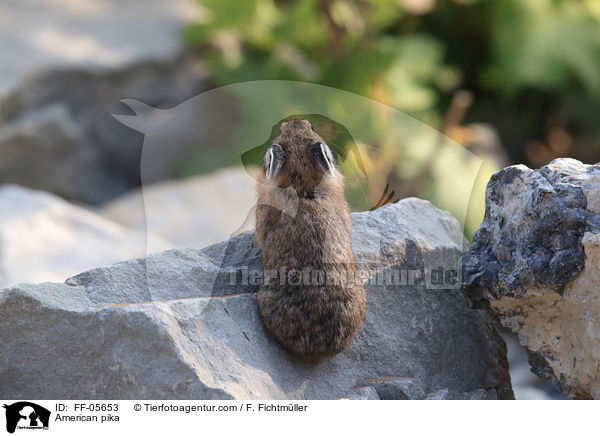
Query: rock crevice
x=535, y=264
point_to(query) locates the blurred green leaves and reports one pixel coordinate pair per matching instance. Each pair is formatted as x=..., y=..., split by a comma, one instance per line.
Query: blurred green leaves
x=412, y=54
x=346, y=44
x=533, y=67
x=544, y=44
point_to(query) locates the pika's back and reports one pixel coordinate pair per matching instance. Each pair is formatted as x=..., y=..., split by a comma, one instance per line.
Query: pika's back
x=311, y=301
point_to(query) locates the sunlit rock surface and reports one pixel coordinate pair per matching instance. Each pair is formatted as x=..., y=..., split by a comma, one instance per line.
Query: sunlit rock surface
x=174, y=325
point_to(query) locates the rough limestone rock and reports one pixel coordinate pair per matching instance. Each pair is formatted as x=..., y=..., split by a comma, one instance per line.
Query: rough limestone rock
x=44, y=238
x=394, y=388
x=536, y=263
x=445, y=394
x=65, y=65
x=185, y=324
x=362, y=393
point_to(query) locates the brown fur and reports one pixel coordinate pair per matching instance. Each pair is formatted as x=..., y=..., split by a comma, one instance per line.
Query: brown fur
x=303, y=222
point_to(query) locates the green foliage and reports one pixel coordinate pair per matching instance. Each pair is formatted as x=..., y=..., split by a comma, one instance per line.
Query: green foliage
x=413, y=60
x=344, y=44
x=532, y=65
x=546, y=44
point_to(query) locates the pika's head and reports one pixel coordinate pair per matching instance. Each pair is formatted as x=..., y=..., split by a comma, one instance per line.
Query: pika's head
x=299, y=158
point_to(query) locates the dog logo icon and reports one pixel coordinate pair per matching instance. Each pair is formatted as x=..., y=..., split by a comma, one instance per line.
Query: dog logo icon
x=26, y=415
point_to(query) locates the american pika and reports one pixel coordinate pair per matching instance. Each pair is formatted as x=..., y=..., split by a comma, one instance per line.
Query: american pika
x=314, y=304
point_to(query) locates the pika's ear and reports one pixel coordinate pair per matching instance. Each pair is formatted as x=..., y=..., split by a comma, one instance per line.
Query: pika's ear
x=323, y=157
x=274, y=160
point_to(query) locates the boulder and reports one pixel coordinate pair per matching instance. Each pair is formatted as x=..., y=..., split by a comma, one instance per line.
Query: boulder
x=362, y=393
x=43, y=150
x=535, y=264
x=446, y=394
x=96, y=36
x=184, y=324
x=44, y=238
x=65, y=65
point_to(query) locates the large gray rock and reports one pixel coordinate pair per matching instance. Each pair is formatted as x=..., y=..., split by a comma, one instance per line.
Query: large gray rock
x=185, y=324
x=536, y=263
x=36, y=35
x=44, y=149
x=64, y=66
x=44, y=238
